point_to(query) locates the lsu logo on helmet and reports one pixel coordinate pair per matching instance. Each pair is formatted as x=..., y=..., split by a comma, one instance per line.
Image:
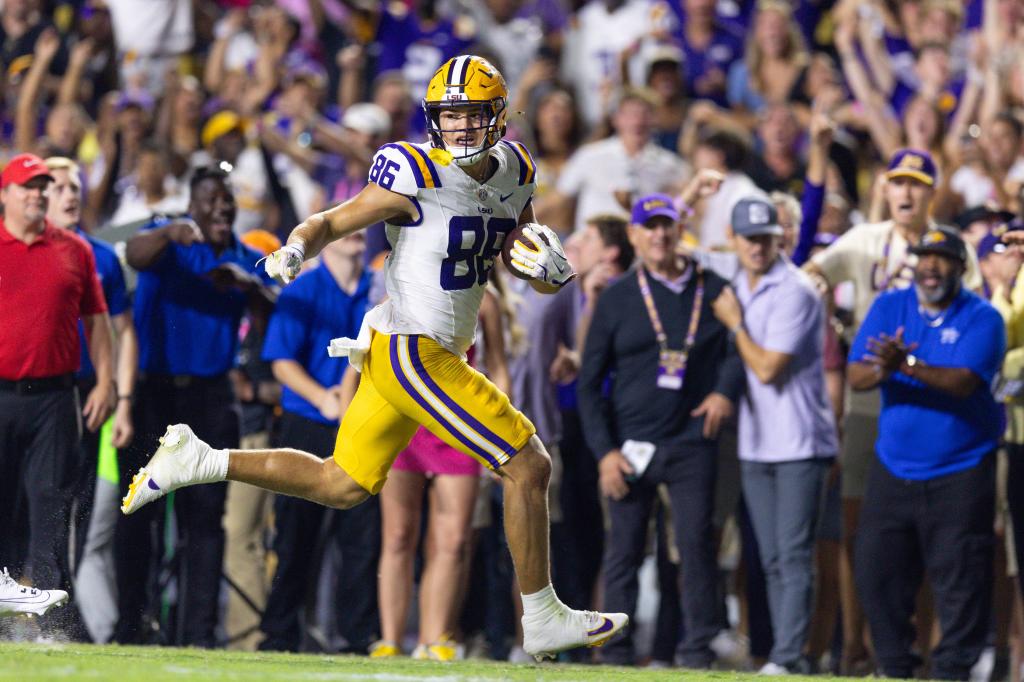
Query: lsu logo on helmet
x=462, y=83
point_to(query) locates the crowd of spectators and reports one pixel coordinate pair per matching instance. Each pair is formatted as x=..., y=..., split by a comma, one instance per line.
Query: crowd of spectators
x=784, y=397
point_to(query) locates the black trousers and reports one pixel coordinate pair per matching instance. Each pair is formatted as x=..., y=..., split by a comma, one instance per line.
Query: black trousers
x=577, y=561
x=39, y=463
x=1015, y=499
x=689, y=472
x=210, y=408
x=942, y=526
x=85, y=482
x=300, y=527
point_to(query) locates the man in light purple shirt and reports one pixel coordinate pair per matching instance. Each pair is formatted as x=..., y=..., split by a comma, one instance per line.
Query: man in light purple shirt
x=787, y=434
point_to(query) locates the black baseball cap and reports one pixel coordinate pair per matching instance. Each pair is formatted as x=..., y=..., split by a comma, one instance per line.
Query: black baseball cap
x=983, y=212
x=942, y=240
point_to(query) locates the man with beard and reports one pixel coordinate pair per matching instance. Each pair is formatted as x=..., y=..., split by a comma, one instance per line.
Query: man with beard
x=875, y=257
x=195, y=281
x=933, y=349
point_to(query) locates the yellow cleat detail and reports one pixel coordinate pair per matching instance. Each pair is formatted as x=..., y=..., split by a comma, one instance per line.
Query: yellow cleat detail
x=443, y=650
x=384, y=649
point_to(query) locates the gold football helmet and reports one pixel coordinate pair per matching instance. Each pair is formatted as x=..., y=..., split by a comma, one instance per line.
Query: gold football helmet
x=463, y=82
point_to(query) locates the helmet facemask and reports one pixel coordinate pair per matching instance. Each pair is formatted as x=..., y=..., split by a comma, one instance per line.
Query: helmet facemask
x=482, y=116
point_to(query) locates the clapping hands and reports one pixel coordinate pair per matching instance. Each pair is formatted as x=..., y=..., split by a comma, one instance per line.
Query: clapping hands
x=888, y=352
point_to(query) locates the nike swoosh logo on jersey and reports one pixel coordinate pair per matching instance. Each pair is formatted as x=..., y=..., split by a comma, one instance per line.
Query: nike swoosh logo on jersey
x=502, y=199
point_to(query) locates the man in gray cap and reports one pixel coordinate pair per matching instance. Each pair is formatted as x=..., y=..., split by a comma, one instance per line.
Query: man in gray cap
x=787, y=434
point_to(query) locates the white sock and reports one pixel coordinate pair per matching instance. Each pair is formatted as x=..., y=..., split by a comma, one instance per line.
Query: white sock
x=541, y=603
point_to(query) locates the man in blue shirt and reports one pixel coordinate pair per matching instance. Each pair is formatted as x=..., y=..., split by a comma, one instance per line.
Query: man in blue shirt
x=934, y=350
x=325, y=303
x=195, y=281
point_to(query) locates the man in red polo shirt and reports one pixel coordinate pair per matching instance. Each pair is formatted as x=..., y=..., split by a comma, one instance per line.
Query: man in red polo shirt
x=47, y=282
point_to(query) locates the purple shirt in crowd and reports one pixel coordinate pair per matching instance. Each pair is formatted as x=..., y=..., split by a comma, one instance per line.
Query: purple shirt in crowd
x=547, y=320
x=789, y=419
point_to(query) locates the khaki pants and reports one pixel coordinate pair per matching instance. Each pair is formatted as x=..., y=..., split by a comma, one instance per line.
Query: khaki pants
x=246, y=517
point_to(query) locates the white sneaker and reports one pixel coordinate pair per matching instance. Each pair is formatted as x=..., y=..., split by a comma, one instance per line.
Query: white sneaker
x=182, y=459
x=570, y=629
x=731, y=648
x=773, y=669
x=15, y=598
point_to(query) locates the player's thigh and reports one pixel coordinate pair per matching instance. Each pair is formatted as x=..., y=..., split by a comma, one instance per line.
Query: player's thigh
x=449, y=398
x=371, y=435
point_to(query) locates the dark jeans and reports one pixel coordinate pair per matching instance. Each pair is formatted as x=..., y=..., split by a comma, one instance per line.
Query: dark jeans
x=39, y=463
x=689, y=472
x=942, y=526
x=209, y=407
x=668, y=627
x=580, y=558
x=755, y=587
x=300, y=525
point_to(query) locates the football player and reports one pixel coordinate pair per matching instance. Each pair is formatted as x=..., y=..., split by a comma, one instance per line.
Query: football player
x=448, y=205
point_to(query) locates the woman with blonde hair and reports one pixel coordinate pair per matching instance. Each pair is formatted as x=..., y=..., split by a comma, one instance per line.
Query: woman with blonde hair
x=775, y=65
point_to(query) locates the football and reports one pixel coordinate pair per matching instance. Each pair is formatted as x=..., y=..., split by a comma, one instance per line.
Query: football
x=510, y=240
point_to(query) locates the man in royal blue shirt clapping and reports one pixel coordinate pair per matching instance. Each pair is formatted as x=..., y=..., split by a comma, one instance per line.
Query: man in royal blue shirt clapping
x=934, y=350
x=195, y=282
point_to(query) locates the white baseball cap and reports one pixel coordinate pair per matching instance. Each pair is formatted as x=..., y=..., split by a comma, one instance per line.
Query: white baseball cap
x=367, y=118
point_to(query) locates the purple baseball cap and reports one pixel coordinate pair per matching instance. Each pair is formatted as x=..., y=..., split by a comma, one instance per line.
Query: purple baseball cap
x=990, y=243
x=652, y=205
x=913, y=163
x=993, y=241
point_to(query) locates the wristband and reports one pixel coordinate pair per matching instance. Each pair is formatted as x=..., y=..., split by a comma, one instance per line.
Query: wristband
x=128, y=397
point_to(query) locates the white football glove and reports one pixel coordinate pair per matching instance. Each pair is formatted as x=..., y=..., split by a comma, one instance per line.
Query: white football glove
x=285, y=263
x=547, y=263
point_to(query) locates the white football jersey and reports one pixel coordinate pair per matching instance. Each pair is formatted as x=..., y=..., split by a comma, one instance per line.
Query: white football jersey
x=437, y=271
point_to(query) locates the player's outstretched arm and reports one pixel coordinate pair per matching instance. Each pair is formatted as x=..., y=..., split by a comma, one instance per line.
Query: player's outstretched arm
x=372, y=205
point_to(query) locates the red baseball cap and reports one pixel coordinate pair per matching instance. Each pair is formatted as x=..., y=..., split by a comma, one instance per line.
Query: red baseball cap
x=23, y=168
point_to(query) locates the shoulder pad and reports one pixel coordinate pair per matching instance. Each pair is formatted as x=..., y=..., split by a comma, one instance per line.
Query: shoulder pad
x=527, y=167
x=403, y=168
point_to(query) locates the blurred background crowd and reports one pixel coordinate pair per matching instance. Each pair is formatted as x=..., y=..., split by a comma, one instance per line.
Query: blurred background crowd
x=167, y=125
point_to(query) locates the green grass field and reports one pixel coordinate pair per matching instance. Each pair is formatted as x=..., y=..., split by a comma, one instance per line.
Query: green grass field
x=153, y=664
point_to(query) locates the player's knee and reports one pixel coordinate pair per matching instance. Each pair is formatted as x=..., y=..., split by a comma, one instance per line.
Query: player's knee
x=531, y=465
x=337, y=489
x=346, y=498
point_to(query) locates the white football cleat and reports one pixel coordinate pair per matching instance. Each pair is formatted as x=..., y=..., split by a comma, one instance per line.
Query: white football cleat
x=182, y=459
x=570, y=629
x=16, y=598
